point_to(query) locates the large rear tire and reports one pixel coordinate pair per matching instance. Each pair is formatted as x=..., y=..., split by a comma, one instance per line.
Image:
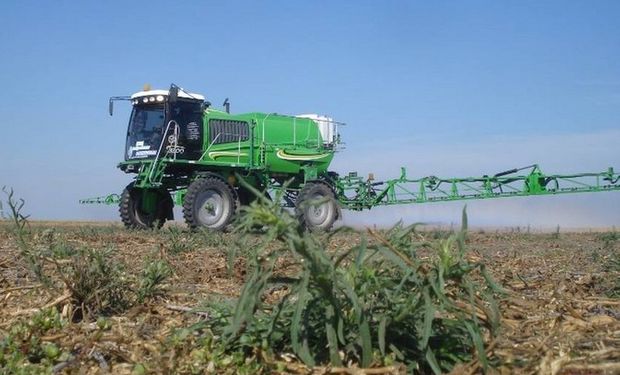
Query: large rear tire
x=210, y=203
x=133, y=215
x=316, y=207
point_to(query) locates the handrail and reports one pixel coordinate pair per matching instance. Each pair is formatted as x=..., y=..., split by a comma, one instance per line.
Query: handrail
x=209, y=147
x=161, y=145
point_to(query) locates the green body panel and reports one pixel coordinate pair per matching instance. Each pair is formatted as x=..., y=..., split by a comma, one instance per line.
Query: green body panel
x=279, y=144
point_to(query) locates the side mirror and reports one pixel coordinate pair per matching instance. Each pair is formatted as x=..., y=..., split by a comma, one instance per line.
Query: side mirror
x=173, y=94
x=112, y=99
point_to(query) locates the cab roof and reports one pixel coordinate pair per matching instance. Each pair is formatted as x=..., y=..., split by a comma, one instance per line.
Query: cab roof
x=182, y=94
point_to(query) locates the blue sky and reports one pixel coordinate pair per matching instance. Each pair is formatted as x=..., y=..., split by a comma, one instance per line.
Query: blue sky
x=444, y=88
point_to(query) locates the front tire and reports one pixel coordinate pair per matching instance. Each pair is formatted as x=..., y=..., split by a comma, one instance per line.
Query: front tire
x=210, y=203
x=135, y=217
x=316, y=207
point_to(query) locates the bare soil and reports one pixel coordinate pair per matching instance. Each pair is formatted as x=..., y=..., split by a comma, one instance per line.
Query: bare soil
x=562, y=315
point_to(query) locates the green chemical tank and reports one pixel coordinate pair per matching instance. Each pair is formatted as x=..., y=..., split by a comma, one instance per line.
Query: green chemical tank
x=177, y=143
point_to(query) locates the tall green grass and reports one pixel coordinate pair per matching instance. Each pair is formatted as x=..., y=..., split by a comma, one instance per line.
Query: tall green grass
x=369, y=304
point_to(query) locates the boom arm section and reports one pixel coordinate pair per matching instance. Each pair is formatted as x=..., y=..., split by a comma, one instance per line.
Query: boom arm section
x=355, y=193
x=108, y=199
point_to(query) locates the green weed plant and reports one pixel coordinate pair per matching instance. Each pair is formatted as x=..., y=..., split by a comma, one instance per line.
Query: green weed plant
x=369, y=304
x=155, y=273
x=22, y=350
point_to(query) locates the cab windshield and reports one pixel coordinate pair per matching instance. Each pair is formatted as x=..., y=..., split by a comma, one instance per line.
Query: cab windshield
x=145, y=130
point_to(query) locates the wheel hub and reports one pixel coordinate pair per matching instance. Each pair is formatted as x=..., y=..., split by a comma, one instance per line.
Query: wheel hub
x=317, y=213
x=211, y=208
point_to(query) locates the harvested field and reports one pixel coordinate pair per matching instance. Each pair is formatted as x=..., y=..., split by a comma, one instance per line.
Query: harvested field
x=561, y=314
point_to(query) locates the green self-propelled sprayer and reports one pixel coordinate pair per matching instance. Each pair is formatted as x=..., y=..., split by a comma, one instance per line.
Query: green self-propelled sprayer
x=178, y=145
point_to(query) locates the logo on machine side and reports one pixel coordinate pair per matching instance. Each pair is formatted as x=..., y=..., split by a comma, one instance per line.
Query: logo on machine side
x=173, y=147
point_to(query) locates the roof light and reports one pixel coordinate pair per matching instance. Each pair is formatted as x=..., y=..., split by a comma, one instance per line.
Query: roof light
x=145, y=100
x=160, y=98
x=151, y=99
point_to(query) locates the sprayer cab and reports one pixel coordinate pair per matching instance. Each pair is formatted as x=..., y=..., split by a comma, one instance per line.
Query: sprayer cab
x=172, y=116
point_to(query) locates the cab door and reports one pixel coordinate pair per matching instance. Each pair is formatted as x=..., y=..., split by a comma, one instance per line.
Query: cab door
x=189, y=116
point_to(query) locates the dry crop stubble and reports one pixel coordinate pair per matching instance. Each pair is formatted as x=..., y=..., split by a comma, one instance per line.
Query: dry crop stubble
x=561, y=315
